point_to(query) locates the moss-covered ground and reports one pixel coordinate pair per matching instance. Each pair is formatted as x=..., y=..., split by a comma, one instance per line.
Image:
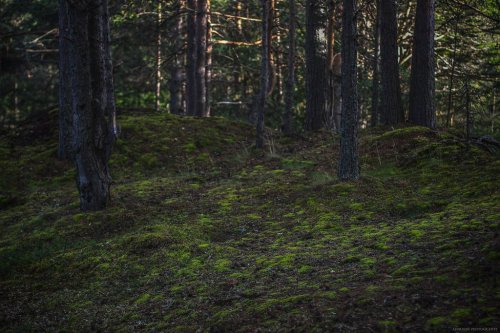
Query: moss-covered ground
x=206, y=234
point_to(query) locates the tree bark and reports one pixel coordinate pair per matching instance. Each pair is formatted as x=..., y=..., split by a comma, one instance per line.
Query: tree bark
x=201, y=58
x=391, y=108
x=290, y=81
x=92, y=100
x=349, y=159
x=176, y=73
x=264, y=74
x=422, y=104
x=208, y=73
x=159, y=19
x=316, y=82
x=191, y=59
x=376, y=69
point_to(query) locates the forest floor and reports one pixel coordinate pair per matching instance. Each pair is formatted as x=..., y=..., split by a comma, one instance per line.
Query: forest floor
x=206, y=234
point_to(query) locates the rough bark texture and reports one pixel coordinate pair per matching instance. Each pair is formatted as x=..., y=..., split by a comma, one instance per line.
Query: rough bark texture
x=201, y=58
x=290, y=81
x=159, y=19
x=208, y=72
x=316, y=52
x=422, y=105
x=376, y=69
x=391, y=106
x=176, y=72
x=264, y=74
x=191, y=59
x=349, y=159
x=65, y=138
x=92, y=100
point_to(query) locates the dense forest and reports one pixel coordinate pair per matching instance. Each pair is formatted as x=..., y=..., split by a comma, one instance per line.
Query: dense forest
x=249, y=166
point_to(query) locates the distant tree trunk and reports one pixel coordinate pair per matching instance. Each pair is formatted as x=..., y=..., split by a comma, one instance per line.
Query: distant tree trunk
x=264, y=74
x=316, y=82
x=391, y=106
x=349, y=159
x=449, y=117
x=208, y=73
x=159, y=20
x=65, y=134
x=191, y=59
x=201, y=58
x=92, y=99
x=376, y=69
x=176, y=73
x=422, y=104
x=330, y=76
x=290, y=82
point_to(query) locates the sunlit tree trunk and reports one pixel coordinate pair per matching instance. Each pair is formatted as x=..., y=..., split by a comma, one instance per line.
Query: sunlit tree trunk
x=176, y=73
x=201, y=58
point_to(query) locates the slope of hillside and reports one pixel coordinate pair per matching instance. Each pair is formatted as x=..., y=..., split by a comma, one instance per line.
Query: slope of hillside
x=206, y=234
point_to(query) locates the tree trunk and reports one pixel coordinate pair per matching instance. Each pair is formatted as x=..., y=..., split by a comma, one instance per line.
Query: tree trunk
x=391, y=108
x=191, y=59
x=264, y=74
x=422, y=104
x=208, y=73
x=452, y=76
x=349, y=159
x=330, y=76
x=316, y=82
x=92, y=100
x=290, y=82
x=376, y=69
x=159, y=20
x=176, y=75
x=201, y=58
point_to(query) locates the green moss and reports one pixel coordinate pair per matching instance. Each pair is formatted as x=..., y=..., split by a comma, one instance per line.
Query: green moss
x=461, y=313
x=143, y=299
x=223, y=265
x=304, y=269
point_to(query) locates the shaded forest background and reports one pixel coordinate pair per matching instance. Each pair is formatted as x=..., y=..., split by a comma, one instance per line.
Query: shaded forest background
x=467, y=58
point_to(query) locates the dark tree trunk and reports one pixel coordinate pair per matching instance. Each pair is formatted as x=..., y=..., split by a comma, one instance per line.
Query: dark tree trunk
x=201, y=58
x=92, y=100
x=316, y=49
x=422, y=105
x=261, y=104
x=376, y=69
x=391, y=106
x=290, y=81
x=330, y=76
x=65, y=135
x=208, y=73
x=176, y=73
x=191, y=59
x=349, y=159
x=159, y=19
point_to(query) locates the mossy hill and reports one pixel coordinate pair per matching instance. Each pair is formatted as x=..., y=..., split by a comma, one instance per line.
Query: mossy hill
x=206, y=234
